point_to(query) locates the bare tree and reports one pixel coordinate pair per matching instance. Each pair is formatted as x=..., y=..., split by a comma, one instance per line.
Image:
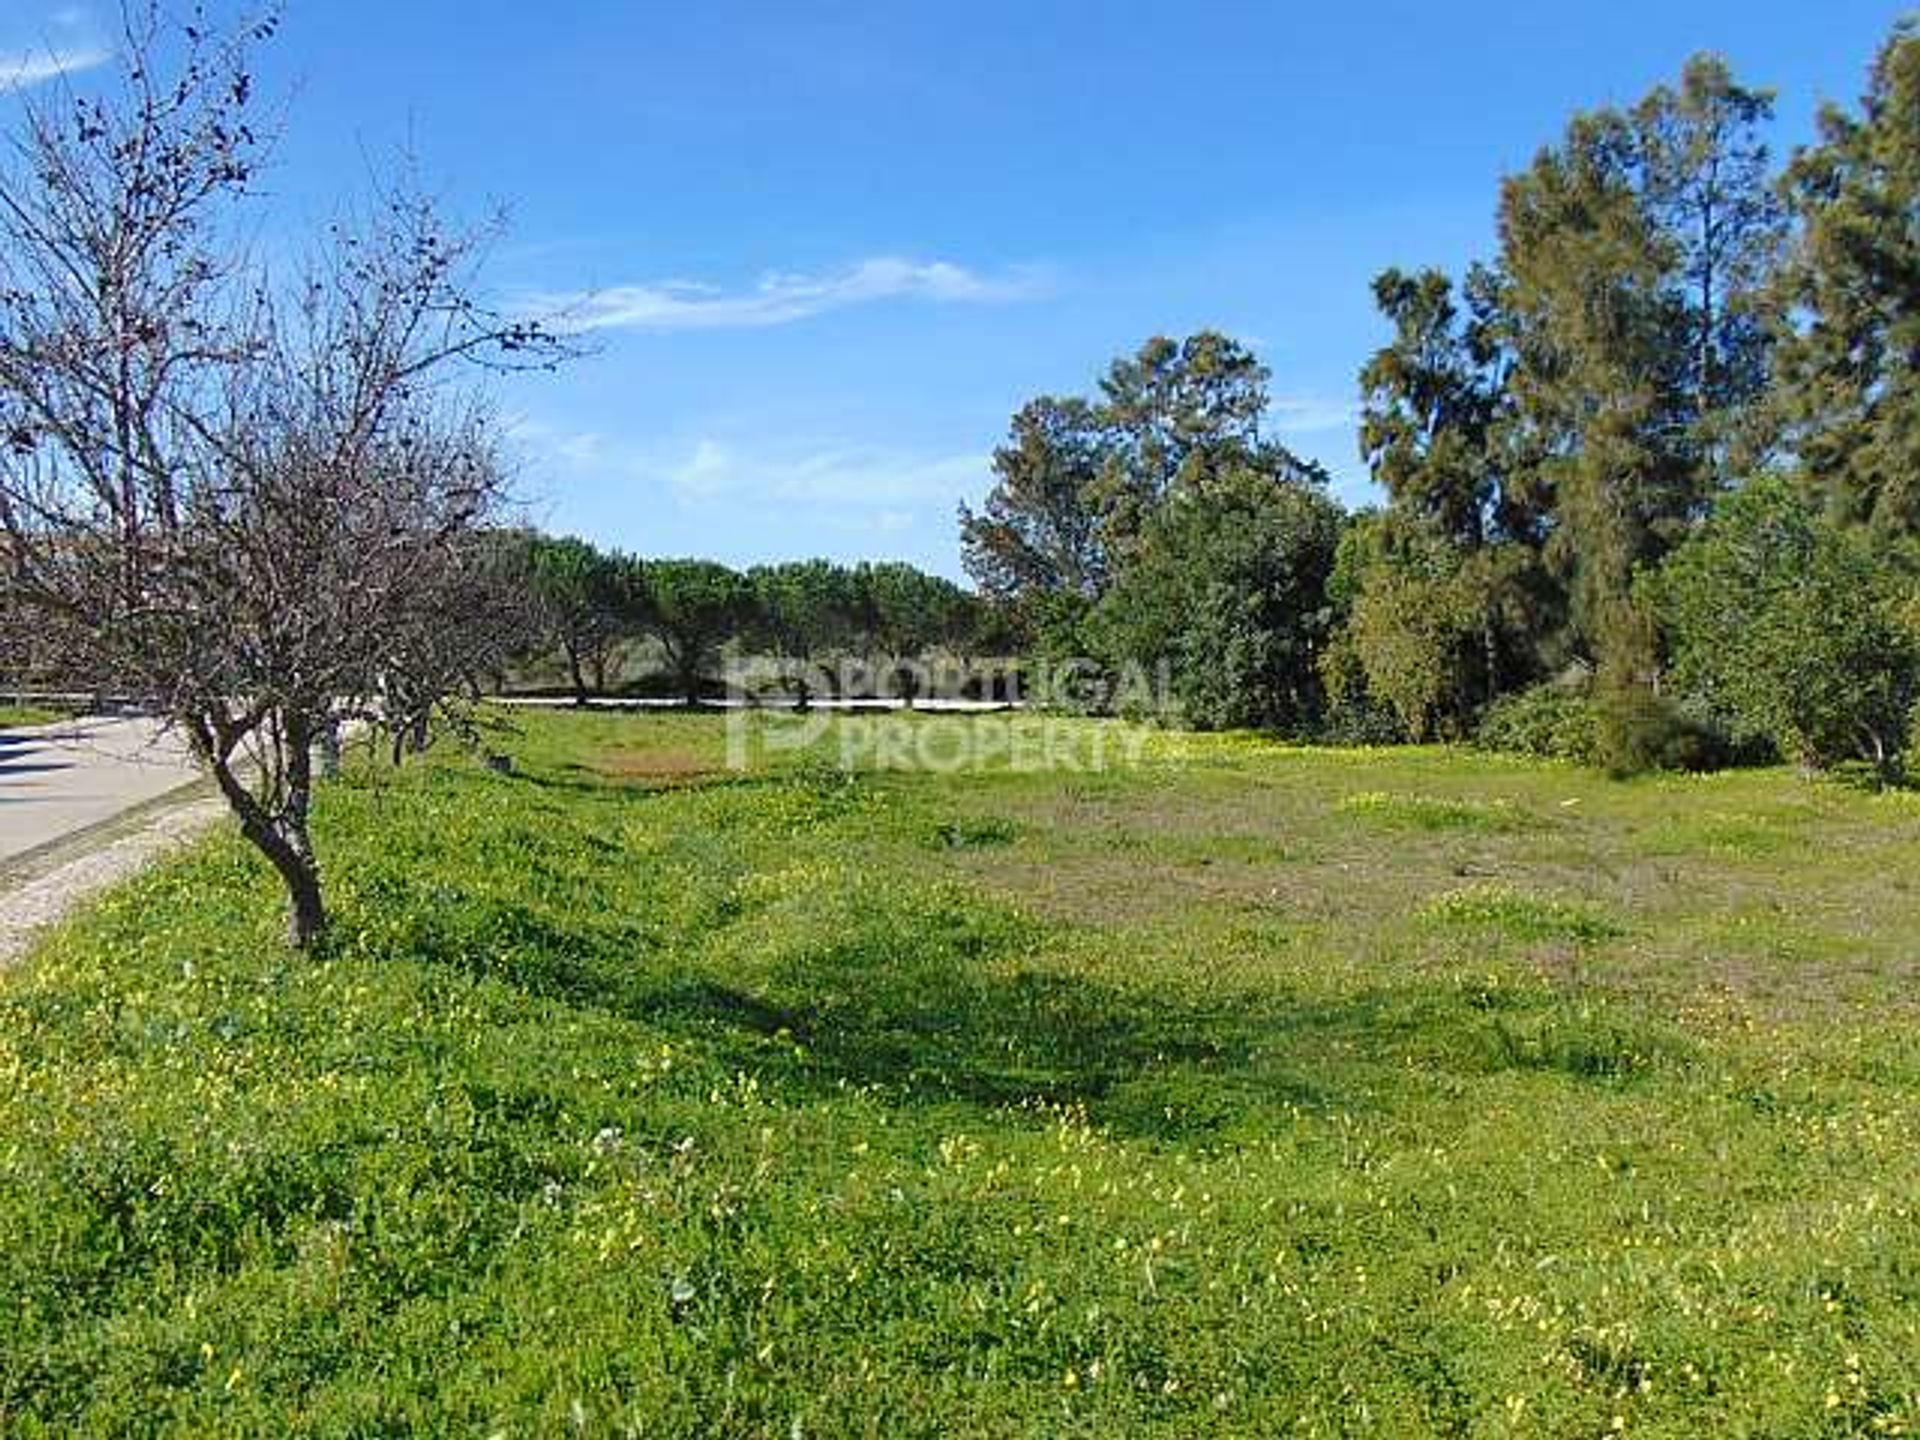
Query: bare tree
x=248, y=503
x=484, y=618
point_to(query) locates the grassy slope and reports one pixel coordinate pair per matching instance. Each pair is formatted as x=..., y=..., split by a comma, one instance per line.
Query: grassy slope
x=1393, y=1093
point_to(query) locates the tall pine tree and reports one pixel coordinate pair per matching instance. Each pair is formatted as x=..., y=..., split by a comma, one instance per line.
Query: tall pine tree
x=1849, y=371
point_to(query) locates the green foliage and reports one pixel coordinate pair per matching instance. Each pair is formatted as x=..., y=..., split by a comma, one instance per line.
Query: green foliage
x=1705, y=182
x=1549, y=721
x=593, y=602
x=14, y=716
x=1080, y=482
x=1156, y=530
x=1573, y=406
x=1433, y=629
x=1412, y=633
x=1057, y=623
x=1638, y=730
x=1039, y=531
x=1849, y=383
x=1520, y=915
x=1174, y=411
x=1787, y=626
x=696, y=606
x=804, y=608
x=1434, y=402
x=1433, y=812
x=906, y=612
x=1598, y=338
x=1228, y=586
x=587, y=602
x=635, y=1096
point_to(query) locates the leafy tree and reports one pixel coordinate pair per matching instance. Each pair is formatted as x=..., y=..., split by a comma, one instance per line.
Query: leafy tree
x=695, y=607
x=589, y=601
x=1849, y=383
x=1634, y=258
x=1039, y=531
x=1707, y=186
x=1598, y=383
x=1788, y=626
x=907, y=614
x=1172, y=409
x=1080, y=481
x=1434, y=397
x=1435, y=589
x=905, y=611
x=1228, y=586
x=805, y=609
x=1436, y=632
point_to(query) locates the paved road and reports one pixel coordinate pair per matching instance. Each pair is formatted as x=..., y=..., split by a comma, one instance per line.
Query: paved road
x=57, y=780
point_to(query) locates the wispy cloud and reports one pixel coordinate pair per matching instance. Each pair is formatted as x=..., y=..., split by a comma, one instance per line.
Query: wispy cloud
x=778, y=299
x=852, y=475
x=839, y=487
x=21, y=68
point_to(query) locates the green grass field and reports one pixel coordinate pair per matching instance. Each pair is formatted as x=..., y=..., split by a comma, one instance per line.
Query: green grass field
x=1248, y=1091
x=13, y=716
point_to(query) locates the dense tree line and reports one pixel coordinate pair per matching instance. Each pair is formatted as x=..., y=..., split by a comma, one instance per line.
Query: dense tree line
x=592, y=608
x=1649, y=470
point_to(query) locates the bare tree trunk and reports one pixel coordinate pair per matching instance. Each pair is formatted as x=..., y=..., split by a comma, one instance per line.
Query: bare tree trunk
x=329, y=745
x=577, y=674
x=306, y=908
x=285, y=839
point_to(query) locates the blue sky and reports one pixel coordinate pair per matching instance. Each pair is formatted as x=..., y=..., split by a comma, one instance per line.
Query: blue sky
x=829, y=248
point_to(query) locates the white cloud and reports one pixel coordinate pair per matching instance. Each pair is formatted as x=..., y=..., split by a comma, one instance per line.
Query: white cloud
x=21, y=68
x=847, y=487
x=777, y=299
x=847, y=476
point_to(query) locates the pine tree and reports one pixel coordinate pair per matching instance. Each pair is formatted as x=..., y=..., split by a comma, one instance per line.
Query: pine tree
x=1849, y=384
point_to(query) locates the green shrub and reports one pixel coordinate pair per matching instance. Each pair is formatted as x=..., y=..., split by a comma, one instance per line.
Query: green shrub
x=1789, y=627
x=1547, y=722
x=1638, y=731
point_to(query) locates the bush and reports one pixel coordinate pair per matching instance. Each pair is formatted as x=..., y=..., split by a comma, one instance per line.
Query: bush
x=1789, y=628
x=1547, y=722
x=1628, y=730
x=1227, y=590
x=1638, y=730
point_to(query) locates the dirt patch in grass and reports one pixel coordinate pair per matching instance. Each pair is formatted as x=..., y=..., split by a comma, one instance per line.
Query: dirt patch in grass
x=655, y=768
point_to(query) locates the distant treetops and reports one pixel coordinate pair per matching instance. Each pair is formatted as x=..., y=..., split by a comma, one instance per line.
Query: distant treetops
x=1659, y=456
x=588, y=605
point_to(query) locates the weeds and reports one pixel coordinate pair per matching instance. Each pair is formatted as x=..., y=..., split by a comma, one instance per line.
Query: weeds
x=632, y=1098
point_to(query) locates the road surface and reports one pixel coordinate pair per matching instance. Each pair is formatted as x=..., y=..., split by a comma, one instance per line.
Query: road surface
x=59, y=780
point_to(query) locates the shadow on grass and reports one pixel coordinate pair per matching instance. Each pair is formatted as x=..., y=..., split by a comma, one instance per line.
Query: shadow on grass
x=574, y=778
x=952, y=1008
x=925, y=995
